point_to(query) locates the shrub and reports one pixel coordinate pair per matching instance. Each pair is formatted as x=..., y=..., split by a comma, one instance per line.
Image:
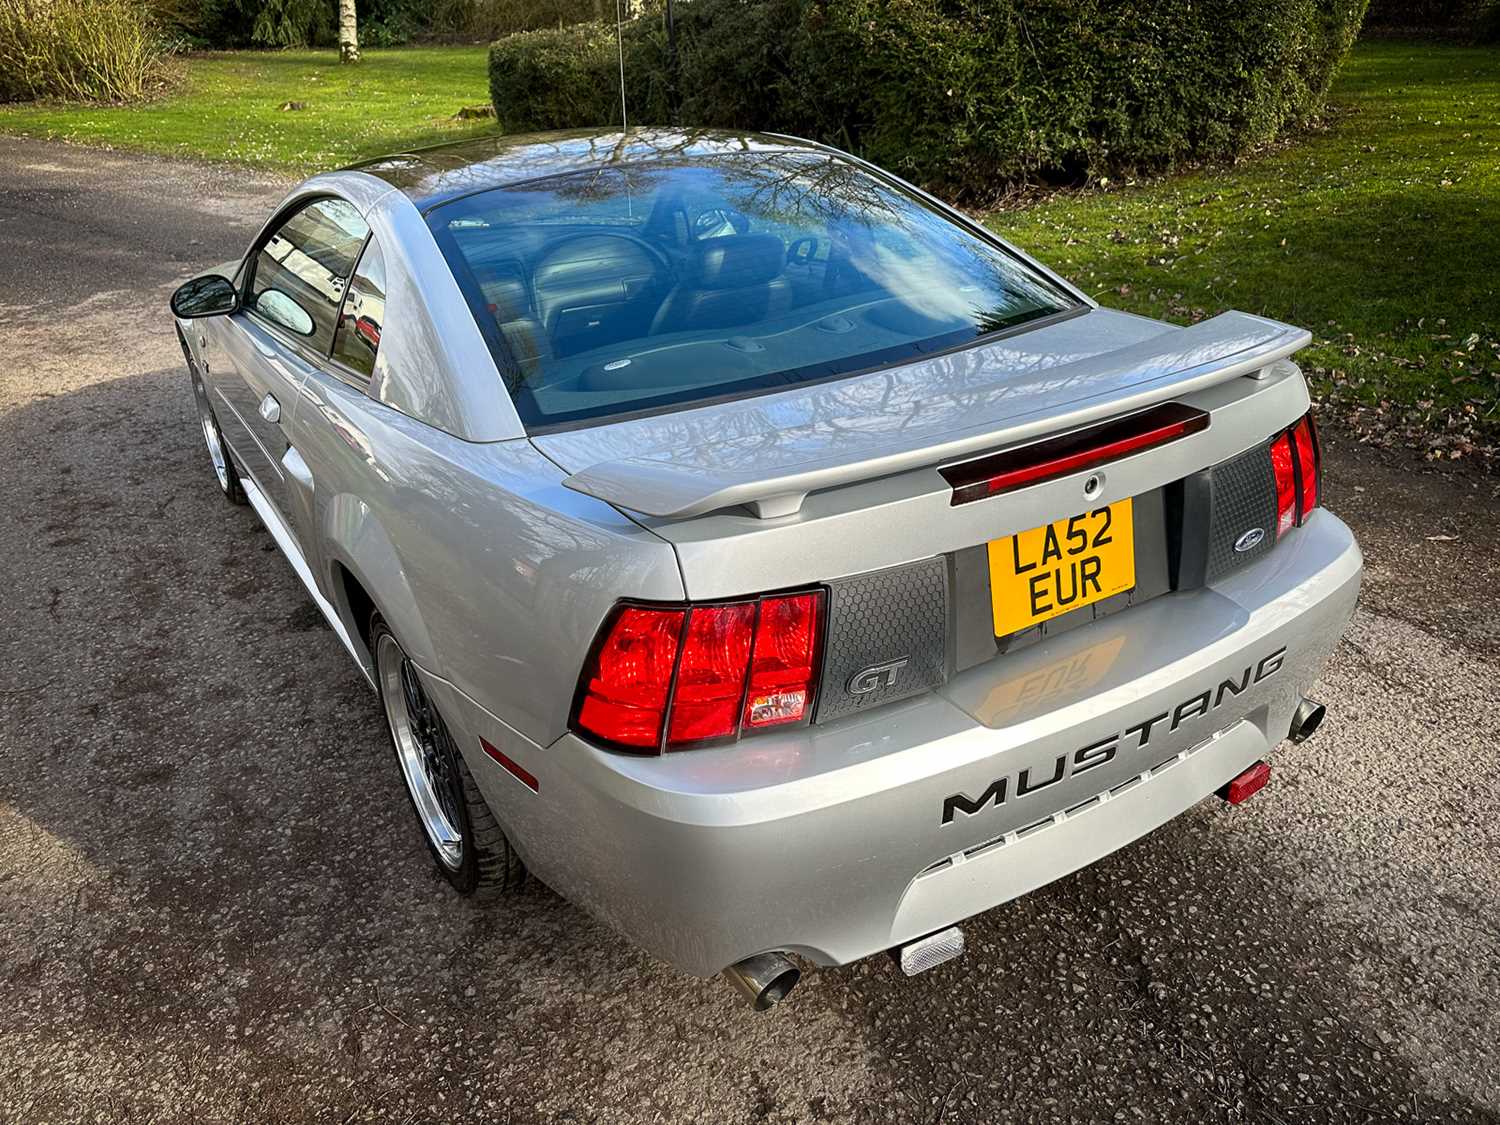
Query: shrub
x=1477, y=20
x=570, y=76
x=961, y=95
x=491, y=19
x=82, y=50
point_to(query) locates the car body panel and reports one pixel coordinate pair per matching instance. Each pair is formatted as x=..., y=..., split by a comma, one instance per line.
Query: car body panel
x=465, y=546
x=900, y=518
x=1050, y=378
x=419, y=492
x=823, y=841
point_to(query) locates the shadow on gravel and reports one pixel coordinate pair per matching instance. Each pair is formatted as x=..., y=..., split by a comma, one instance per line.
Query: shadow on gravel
x=1175, y=980
x=222, y=911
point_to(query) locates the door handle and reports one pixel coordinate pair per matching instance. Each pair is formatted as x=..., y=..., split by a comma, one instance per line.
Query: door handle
x=270, y=409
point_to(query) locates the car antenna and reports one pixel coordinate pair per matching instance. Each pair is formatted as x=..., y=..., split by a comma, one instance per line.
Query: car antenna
x=620, y=46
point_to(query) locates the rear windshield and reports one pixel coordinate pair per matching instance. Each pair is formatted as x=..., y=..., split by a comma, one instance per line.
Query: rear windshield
x=640, y=287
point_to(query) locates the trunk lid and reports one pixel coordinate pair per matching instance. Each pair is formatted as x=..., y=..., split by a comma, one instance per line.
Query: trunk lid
x=764, y=455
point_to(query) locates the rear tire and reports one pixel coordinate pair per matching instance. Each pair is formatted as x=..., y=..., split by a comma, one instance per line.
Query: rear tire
x=223, y=465
x=463, y=836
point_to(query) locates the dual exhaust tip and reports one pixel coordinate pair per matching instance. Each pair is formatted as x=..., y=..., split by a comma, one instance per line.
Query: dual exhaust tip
x=765, y=979
x=1306, y=719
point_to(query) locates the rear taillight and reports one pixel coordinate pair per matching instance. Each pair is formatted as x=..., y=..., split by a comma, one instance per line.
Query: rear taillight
x=711, y=674
x=1296, y=461
x=674, y=677
x=627, y=687
x=781, y=673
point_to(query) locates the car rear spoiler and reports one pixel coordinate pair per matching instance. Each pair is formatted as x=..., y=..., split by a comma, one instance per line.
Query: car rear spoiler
x=693, y=480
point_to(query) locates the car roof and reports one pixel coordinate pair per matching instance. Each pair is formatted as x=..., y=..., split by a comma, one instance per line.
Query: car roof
x=430, y=176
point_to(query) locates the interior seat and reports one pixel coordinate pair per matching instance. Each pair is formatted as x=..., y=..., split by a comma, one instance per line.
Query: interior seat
x=505, y=293
x=593, y=290
x=733, y=280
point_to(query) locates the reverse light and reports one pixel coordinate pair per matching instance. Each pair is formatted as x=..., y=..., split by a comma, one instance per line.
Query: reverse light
x=676, y=677
x=781, y=672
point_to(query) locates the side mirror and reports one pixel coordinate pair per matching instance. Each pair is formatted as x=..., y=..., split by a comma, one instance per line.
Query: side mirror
x=285, y=311
x=209, y=295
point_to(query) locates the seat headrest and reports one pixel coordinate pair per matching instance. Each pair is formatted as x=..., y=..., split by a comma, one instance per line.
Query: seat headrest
x=737, y=260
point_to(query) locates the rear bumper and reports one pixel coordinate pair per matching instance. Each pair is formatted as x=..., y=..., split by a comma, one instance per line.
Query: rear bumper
x=839, y=841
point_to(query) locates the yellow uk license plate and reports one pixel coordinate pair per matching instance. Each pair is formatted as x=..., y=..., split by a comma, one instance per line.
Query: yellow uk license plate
x=1047, y=571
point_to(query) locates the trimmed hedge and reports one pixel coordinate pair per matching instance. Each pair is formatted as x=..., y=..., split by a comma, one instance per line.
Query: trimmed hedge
x=964, y=96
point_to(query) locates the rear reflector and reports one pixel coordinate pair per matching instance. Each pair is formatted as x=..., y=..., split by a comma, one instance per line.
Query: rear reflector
x=1247, y=784
x=1074, y=452
x=511, y=766
x=675, y=677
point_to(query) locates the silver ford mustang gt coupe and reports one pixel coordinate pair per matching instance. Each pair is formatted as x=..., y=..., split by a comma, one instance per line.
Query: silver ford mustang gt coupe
x=767, y=557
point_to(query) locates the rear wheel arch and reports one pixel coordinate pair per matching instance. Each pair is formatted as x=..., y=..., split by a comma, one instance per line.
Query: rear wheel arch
x=365, y=574
x=356, y=607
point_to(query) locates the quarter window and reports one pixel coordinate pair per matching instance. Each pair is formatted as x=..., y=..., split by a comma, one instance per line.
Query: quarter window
x=358, y=336
x=300, y=271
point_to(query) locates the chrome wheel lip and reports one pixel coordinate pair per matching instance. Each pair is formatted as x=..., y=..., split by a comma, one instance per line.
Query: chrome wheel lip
x=415, y=758
x=211, y=436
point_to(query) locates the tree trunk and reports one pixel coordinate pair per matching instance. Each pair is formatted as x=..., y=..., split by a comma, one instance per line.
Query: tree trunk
x=348, y=32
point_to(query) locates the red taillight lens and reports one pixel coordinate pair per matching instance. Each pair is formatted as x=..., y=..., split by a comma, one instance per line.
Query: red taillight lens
x=743, y=665
x=1297, y=463
x=711, y=676
x=1306, y=441
x=1074, y=452
x=1286, y=484
x=626, y=698
x=781, y=673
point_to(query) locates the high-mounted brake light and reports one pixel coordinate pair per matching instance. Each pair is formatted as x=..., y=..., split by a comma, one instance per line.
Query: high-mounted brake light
x=675, y=677
x=1086, y=448
x=1296, y=461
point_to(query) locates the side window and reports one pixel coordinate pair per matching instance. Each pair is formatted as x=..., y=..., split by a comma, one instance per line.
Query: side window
x=358, y=336
x=300, y=272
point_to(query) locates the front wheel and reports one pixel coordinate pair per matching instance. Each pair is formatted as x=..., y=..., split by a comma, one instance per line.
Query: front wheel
x=466, y=841
x=213, y=437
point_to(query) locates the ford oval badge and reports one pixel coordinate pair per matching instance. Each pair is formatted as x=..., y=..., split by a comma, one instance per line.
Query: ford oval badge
x=1250, y=540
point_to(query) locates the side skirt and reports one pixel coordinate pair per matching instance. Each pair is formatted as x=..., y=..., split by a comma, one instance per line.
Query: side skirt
x=288, y=544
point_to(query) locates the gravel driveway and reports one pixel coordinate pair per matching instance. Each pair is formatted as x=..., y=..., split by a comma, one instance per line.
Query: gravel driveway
x=214, y=905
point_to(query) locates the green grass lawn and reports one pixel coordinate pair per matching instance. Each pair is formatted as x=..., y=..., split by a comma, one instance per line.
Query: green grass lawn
x=228, y=107
x=1381, y=234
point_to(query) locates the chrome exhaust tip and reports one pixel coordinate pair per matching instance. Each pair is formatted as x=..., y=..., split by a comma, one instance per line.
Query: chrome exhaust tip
x=1306, y=719
x=765, y=979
